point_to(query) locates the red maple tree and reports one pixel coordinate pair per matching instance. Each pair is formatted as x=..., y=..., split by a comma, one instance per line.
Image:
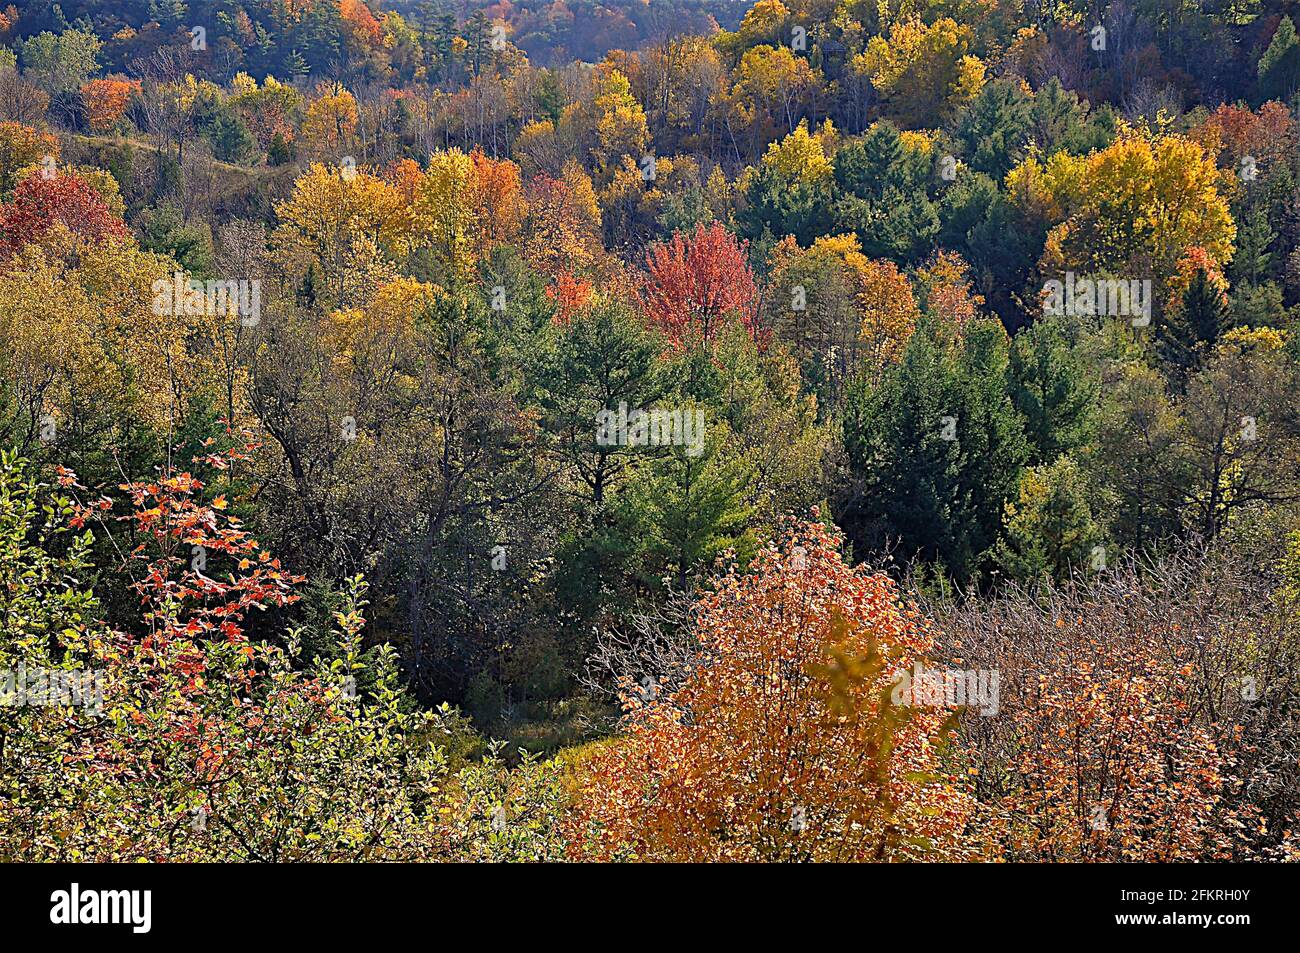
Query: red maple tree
x=695, y=282
x=40, y=202
x=570, y=294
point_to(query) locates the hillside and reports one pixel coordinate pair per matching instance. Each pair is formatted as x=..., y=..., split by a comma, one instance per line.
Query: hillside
x=683, y=431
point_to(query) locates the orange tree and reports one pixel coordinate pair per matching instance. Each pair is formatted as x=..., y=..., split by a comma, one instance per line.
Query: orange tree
x=106, y=101
x=782, y=742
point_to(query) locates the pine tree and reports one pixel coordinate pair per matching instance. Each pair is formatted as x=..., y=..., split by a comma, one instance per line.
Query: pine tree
x=1194, y=327
x=1050, y=385
x=1280, y=65
x=1049, y=530
x=935, y=451
x=994, y=128
x=687, y=509
x=1255, y=236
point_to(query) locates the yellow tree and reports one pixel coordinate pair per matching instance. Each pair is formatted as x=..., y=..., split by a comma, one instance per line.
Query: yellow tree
x=840, y=311
x=22, y=146
x=923, y=72
x=562, y=230
x=776, y=84
x=610, y=126
x=339, y=222
x=543, y=147
x=445, y=212
x=945, y=283
x=1132, y=210
x=762, y=23
x=621, y=129
x=108, y=356
x=889, y=312
x=270, y=110
x=54, y=364
x=375, y=345
x=801, y=156
x=164, y=346
x=331, y=122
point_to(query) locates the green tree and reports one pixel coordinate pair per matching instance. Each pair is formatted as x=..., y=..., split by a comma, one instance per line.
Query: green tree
x=1054, y=389
x=604, y=357
x=1192, y=329
x=230, y=138
x=1001, y=241
x=60, y=64
x=776, y=205
x=604, y=360
x=1049, y=530
x=935, y=451
x=993, y=129
x=1255, y=236
x=687, y=508
x=163, y=229
x=1059, y=120
x=1279, y=68
x=1139, y=467
x=881, y=195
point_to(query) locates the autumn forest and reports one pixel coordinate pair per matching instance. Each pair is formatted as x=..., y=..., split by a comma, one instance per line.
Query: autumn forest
x=650, y=430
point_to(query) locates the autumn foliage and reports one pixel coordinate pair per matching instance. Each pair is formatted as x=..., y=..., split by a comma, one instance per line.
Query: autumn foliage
x=39, y=203
x=360, y=22
x=563, y=220
x=1266, y=136
x=570, y=294
x=1111, y=764
x=695, y=282
x=783, y=743
x=22, y=146
x=106, y=101
x=545, y=341
x=207, y=744
x=1136, y=718
x=498, y=202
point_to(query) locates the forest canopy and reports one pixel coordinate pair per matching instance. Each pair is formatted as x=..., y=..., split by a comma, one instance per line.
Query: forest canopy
x=679, y=430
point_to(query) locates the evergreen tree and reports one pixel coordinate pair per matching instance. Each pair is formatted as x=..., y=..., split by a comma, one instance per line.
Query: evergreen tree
x=1049, y=529
x=1253, y=259
x=881, y=195
x=686, y=509
x=1059, y=121
x=776, y=206
x=1279, y=67
x=1053, y=389
x=1000, y=242
x=994, y=128
x=604, y=360
x=935, y=451
x=1194, y=327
